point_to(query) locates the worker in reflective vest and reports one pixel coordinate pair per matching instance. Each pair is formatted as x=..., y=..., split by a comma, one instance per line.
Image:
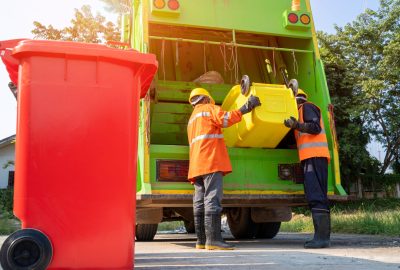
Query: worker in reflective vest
x=314, y=155
x=209, y=162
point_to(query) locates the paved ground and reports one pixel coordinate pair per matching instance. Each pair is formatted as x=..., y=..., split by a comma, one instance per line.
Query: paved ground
x=176, y=251
x=285, y=252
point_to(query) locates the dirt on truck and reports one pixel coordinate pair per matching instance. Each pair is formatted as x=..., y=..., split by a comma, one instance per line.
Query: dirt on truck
x=212, y=44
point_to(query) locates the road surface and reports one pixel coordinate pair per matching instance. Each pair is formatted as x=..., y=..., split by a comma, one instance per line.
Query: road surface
x=285, y=252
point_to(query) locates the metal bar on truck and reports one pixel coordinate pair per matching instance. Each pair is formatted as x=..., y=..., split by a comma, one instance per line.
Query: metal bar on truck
x=230, y=44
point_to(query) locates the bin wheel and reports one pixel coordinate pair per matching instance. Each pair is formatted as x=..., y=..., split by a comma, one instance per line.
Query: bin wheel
x=245, y=85
x=267, y=230
x=26, y=249
x=294, y=85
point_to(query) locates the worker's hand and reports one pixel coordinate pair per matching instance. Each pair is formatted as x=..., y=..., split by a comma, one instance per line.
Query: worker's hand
x=251, y=103
x=291, y=123
x=254, y=101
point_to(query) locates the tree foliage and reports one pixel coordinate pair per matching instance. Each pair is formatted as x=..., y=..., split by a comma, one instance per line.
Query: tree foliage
x=363, y=71
x=85, y=27
x=371, y=43
x=347, y=99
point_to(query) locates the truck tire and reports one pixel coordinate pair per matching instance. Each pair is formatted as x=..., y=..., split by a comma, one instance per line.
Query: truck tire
x=146, y=232
x=240, y=223
x=189, y=226
x=268, y=230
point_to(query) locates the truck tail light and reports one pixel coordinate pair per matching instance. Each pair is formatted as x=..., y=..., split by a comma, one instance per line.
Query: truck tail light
x=305, y=19
x=160, y=4
x=172, y=170
x=291, y=172
x=173, y=4
x=293, y=18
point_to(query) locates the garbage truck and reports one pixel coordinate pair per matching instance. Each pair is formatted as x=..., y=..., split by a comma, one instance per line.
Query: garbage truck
x=212, y=44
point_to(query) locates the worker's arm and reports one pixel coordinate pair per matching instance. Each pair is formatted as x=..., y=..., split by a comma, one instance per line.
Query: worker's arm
x=311, y=116
x=225, y=119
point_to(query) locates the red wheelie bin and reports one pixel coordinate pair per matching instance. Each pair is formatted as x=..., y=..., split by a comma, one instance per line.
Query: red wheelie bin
x=76, y=155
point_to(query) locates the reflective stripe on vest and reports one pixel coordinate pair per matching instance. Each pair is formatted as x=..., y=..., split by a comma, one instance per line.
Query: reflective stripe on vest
x=206, y=136
x=197, y=115
x=226, y=118
x=311, y=145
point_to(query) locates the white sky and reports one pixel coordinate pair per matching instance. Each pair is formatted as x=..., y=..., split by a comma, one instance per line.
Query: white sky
x=17, y=16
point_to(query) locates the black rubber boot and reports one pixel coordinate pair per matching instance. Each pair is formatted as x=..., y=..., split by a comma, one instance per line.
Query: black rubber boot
x=213, y=233
x=322, y=228
x=200, y=230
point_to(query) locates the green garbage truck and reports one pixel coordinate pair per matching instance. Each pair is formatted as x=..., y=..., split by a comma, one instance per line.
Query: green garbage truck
x=212, y=44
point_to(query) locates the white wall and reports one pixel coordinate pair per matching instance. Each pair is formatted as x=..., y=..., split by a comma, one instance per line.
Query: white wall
x=6, y=154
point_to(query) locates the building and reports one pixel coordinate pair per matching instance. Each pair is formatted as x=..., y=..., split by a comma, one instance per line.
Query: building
x=7, y=158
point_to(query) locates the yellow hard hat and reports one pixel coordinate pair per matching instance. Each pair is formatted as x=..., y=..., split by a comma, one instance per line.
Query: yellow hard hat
x=301, y=92
x=200, y=92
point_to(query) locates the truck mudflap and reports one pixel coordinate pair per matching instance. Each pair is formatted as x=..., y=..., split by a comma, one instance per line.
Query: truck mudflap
x=229, y=200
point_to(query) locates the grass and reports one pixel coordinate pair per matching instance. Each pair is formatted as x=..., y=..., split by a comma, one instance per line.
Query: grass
x=8, y=225
x=170, y=226
x=380, y=216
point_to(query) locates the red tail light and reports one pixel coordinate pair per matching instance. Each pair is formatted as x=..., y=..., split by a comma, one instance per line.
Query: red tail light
x=173, y=4
x=172, y=170
x=293, y=18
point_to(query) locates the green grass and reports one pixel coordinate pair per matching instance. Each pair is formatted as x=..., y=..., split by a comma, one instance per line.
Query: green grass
x=8, y=225
x=379, y=216
x=170, y=225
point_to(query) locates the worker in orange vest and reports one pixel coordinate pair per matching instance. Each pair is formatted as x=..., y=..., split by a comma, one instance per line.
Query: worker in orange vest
x=209, y=162
x=314, y=156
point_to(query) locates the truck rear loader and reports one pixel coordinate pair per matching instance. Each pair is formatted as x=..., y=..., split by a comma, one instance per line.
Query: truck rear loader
x=212, y=44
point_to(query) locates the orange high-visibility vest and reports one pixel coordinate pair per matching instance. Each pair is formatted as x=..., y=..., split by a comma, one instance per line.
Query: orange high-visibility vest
x=311, y=145
x=208, y=151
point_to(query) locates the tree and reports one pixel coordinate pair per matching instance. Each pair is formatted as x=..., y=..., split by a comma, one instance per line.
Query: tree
x=85, y=28
x=347, y=99
x=370, y=46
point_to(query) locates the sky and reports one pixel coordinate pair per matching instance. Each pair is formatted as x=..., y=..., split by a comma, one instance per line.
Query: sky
x=17, y=16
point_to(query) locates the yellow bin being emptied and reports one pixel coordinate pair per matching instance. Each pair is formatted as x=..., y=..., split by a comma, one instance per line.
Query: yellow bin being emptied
x=263, y=127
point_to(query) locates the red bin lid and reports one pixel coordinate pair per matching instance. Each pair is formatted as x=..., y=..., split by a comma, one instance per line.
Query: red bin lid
x=146, y=62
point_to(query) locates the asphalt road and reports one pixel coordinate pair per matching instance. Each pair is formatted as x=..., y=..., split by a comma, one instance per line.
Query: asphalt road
x=285, y=252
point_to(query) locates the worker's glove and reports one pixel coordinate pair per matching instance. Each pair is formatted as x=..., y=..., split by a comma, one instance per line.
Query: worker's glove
x=291, y=123
x=250, y=104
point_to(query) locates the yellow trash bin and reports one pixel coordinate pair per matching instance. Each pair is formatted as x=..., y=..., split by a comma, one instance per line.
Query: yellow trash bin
x=263, y=127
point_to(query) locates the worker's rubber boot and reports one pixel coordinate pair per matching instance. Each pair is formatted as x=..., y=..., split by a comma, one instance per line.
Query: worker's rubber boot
x=200, y=230
x=322, y=228
x=213, y=233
